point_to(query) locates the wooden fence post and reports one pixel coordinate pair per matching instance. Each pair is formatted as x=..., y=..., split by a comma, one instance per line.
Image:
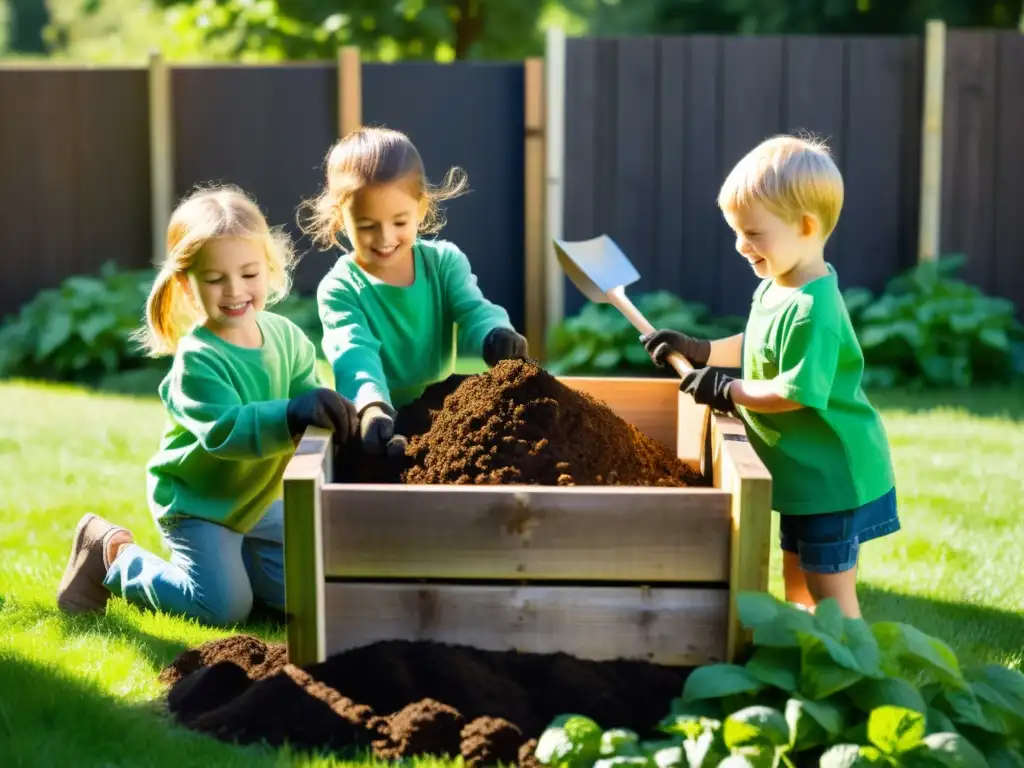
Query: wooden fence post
x=554, y=69
x=350, y=90
x=536, y=279
x=930, y=220
x=161, y=152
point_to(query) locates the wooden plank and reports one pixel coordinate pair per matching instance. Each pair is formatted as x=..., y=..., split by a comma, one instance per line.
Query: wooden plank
x=636, y=159
x=161, y=152
x=1010, y=170
x=969, y=153
x=737, y=469
x=873, y=178
x=581, y=220
x=534, y=187
x=350, y=90
x=528, y=533
x=815, y=78
x=911, y=153
x=303, y=547
x=703, y=245
x=554, y=219
x=673, y=134
x=930, y=218
x=684, y=627
x=650, y=405
x=751, y=112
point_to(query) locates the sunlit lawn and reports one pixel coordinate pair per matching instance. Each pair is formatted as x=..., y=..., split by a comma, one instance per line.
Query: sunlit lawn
x=84, y=691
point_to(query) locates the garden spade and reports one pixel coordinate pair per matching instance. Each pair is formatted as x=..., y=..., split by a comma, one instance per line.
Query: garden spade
x=601, y=271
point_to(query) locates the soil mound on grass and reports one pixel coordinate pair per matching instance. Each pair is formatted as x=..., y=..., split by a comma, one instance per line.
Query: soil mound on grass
x=516, y=423
x=399, y=699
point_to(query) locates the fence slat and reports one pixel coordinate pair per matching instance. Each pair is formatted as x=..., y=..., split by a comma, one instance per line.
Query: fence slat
x=751, y=112
x=1010, y=169
x=636, y=163
x=672, y=137
x=815, y=77
x=873, y=175
x=969, y=152
x=703, y=225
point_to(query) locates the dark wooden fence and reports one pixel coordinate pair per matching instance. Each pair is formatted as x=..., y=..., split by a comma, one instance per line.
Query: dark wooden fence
x=652, y=124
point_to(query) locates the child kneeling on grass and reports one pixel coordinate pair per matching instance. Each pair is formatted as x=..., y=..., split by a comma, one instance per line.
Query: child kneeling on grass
x=241, y=390
x=800, y=395
x=390, y=307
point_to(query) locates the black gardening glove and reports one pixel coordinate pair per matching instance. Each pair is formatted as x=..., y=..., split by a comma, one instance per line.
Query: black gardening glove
x=503, y=344
x=710, y=386
x=322, y=408
x=377, y=428
x=663, y=342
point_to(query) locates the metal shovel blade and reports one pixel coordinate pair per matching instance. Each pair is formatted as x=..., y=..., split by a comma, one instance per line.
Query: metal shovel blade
x=596, y=266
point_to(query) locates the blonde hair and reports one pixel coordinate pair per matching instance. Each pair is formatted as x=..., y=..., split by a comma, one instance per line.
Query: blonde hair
x=790, y=176
x=368, y=156
x=205, y=215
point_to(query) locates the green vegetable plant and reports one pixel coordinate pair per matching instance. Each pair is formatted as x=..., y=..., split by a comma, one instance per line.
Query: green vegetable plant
x=929, y=328
x=820, y=690
x=599, y=340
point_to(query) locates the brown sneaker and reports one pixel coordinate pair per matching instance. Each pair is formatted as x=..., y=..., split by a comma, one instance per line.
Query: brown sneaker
x=81, y=590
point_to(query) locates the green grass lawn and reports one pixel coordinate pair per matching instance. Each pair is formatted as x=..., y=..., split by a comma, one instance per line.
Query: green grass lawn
x=84, y=692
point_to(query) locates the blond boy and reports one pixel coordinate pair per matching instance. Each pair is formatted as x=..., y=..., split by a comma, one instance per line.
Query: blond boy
x=800, y=395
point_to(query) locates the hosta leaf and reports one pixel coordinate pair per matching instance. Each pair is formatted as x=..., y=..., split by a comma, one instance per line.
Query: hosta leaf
x=895, y=729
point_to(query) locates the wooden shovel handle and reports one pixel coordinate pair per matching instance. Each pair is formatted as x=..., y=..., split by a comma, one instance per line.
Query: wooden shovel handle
x=617, y=297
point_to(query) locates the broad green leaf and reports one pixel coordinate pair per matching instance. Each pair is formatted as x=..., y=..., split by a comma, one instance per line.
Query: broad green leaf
x=571, y=740
x=995, y=338
x=718, y=680
x=851, y=756
x=641, y=761
x=945, y=749
x=779, y=667
x=619, y=741
x=755, y=726
x=999, y=685
x=750, y=757
x=939, y=722
x=804, y=731
x=54, y=334
x=830, y=714
x=870, y=694
x=864, y=647
x=963, y=708
x=1004, y=757
x=707, y=750
x=915, y=649
x=607, y=359
x=670, y=757
x=821, y=675
x=895, y=730
x=757, y=608
x=829, y=616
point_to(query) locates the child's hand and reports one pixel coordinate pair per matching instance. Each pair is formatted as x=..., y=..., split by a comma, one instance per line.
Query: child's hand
x=663, y=342
x=503, y=344
x=322, y=408
x=377, y=427
x=709, y=386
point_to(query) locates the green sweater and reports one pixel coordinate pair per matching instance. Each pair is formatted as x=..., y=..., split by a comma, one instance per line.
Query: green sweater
x=386, y=343
x=226, y=442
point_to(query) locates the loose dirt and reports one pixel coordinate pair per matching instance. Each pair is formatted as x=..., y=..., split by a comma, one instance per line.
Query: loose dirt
x=516, y=423
x=397, y=699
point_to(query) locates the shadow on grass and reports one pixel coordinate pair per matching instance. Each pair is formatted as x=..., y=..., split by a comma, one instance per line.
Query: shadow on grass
x=977, y=633
x=1001, y=402
x=50, y=718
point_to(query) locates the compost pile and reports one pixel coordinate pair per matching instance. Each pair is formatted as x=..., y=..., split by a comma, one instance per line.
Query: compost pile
x=516, y=423
x=398, y=699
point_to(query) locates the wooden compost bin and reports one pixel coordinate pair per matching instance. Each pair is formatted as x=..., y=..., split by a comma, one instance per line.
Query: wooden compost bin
x=596, y=572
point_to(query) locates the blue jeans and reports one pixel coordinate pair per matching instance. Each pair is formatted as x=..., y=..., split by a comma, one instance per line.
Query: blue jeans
x=213, y=574
x=830, y=543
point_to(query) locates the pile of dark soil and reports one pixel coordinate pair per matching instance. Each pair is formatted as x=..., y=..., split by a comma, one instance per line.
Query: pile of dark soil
x=516, y=423
x=399, y=699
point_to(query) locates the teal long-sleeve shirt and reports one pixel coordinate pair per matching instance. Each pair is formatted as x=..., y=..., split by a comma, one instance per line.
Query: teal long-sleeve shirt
x=386, y=344
x=226, y=442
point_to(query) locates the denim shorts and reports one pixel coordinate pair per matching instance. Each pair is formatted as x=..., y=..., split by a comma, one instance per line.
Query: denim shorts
x=829, y=543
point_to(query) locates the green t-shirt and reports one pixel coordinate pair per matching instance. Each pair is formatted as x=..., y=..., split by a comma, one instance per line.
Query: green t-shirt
x=832, y=454
x=226, y=443
x=387, y=343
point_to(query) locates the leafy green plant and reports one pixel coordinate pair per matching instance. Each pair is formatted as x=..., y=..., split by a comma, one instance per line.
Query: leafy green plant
x=929, y=328
x=80, y=330
x=821, y=689
x=600, y=340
